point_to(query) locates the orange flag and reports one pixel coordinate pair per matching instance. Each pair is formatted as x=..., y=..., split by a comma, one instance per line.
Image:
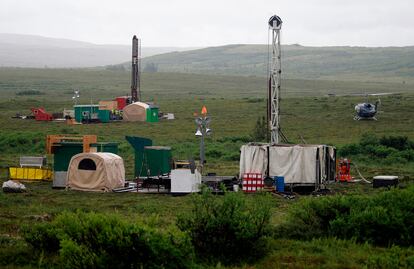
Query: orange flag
x=204, y=110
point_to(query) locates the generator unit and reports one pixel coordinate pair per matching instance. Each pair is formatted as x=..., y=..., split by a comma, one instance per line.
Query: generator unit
x=40, y=114
x=344, y=170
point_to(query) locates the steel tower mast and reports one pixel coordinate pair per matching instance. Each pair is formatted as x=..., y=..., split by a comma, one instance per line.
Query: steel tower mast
x=136, y=70
x=275, y=70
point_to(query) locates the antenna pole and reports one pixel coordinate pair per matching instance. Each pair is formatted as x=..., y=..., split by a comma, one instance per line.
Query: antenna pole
x=275, y=71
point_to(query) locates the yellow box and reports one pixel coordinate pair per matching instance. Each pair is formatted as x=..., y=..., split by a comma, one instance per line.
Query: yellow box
x=30, y=173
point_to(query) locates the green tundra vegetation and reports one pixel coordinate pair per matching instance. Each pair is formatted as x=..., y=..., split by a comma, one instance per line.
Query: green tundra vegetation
x=355, y=227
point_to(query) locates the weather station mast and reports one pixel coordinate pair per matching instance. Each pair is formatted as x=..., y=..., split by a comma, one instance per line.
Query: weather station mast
x=275, y=71
x=136, y=70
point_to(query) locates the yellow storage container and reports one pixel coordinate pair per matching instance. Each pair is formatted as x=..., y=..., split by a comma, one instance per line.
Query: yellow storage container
x=30, y=173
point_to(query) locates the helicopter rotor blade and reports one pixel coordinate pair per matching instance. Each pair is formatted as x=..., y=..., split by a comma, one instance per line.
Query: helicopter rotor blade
x=384, y=93
x=363, y=94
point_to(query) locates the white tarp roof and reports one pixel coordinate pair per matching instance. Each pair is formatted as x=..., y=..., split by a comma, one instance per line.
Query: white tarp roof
x=97, y=171
x=296, y=163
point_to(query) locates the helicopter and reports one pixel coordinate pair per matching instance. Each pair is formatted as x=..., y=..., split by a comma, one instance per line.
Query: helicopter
x=366, y=110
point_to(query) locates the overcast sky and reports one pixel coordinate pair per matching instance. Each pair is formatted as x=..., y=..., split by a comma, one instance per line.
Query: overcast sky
x=194, y=23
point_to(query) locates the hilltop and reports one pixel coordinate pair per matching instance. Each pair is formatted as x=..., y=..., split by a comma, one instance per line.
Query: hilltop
x=38, y=52
x=298, y=61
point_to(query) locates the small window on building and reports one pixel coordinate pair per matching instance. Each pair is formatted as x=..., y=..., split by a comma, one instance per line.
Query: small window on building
x=87, y=164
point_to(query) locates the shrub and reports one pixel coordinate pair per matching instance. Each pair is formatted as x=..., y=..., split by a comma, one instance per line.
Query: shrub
x=350, y=149
x=259, y=132
x=379, y=151
x=255, y=100
x=395, y=257
x=234, y=139
x=397, y=142
x=235, y=156
x=14, y=253
x=66, y=130
x=85, y=240
x=407, y=154
x=395, y=158
x=227, y=229
x=383, y=219
x=388, y=150
x=369, y=139
x=29, y=92
x=214, y=153
x=22, y=142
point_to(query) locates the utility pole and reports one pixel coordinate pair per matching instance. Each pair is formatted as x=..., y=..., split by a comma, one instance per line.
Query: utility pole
x=275, y=71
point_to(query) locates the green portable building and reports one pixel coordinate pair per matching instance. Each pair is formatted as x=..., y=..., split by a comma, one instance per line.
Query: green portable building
x=86, y=112
x=150, y=160
x=157, y=161
x=91, y=113
x=64, y=151
x=111, y=147
x=104, y=115
x=152, y=113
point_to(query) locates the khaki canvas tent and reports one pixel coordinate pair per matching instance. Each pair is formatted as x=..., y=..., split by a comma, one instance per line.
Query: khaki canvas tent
x=98, y=171
x=135, y=112
x=298, y=164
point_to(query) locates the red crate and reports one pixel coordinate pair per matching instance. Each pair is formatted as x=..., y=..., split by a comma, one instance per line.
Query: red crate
x=252, y=182
x=123, y=101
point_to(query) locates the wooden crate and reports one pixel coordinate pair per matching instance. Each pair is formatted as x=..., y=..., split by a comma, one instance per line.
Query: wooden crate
x=108, y=105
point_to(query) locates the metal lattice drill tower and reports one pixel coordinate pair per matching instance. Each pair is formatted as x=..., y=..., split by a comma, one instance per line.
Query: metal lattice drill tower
x=275, y=70
x=136, y=70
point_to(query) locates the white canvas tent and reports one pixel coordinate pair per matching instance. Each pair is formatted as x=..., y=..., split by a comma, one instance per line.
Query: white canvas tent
x=298, y=164
x=135, y=112
x=97, y=171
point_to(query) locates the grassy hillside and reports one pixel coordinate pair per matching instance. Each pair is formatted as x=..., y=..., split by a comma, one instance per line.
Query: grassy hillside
x=358, y=63
x=234, y=104
x=101, y=84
